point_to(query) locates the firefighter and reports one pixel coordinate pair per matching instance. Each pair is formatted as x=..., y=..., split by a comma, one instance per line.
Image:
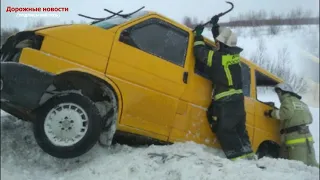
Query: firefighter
x=226, y=113
x=296, y=117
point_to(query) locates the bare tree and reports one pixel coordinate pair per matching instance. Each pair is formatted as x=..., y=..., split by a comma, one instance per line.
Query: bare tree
x=254, y=32
x=39, y=23
x=295, y=18
x=274, y=30
x=281, y=66
x=294, y=15
x=187, y=21
x=260, y=57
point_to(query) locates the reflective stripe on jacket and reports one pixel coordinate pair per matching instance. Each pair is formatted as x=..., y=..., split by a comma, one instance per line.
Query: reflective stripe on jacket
x=293, y=112
x=225, y=68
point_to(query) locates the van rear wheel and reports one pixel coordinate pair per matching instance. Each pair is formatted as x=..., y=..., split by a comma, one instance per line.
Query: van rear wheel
x=67, y=125
x=268, y=150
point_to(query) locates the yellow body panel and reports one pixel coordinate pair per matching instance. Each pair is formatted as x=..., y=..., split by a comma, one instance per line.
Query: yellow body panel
x=87, y=37
x=56, y=65
x=154, y=100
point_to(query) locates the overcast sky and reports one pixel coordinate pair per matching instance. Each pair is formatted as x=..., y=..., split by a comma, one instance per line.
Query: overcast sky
x=175, y=9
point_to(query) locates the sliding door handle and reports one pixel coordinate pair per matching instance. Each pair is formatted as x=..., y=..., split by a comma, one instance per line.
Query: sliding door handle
x=185, y=77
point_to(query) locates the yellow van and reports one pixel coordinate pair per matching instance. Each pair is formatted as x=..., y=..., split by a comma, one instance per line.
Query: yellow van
x=136, y=75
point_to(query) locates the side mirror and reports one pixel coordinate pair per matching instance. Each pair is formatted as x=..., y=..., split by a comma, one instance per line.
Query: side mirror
x=270, y=104
x=124, y=36
x=125, y=33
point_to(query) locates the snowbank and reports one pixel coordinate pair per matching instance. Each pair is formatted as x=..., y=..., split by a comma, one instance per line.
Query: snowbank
x=21, y=158
x=299, y=44
x=304, y=38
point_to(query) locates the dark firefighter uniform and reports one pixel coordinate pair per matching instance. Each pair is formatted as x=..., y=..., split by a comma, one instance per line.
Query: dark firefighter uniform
x=226, y=114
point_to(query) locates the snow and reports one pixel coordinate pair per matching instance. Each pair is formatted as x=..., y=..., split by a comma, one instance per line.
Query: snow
x=306, y=38
x=21, y=158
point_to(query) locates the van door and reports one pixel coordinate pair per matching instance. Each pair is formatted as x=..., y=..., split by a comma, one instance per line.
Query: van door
x=191, y=121
x=147, y=64
x=265, y=128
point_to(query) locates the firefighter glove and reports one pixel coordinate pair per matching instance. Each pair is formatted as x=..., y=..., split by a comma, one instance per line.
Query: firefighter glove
x=215, y=30
x=198, y=30
x=268, y=113
x=214, y=20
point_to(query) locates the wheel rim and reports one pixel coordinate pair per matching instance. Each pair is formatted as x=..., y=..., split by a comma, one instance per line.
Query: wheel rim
x=66, y=124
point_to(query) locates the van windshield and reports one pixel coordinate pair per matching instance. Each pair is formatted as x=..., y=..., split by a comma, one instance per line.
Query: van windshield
x=107, y=24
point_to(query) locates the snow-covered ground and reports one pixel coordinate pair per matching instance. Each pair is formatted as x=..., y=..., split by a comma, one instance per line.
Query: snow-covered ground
x=21, y=158
x=299, y=44
x=295, y=40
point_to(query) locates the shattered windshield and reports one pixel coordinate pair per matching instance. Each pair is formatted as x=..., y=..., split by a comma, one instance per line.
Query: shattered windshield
x=107, y=24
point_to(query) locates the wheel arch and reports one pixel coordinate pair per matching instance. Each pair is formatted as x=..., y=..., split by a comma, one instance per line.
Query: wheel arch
x=270, y=145
x=92, y=83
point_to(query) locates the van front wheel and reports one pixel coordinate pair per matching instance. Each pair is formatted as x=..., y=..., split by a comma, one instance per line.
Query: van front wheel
x=67, y=125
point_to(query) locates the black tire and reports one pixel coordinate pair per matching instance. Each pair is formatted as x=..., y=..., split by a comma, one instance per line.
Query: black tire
x=90, y=137
x=268, y=150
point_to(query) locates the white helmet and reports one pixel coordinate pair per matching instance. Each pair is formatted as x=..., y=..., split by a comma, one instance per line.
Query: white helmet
x=284, y=87
x=227, y=37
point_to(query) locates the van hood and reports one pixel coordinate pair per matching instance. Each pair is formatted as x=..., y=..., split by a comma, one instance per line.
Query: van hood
x=46, y=27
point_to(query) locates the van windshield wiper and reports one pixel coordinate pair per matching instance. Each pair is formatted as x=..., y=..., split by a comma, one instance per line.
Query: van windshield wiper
x=100, y=19
x=113, y=15
x=124, y=15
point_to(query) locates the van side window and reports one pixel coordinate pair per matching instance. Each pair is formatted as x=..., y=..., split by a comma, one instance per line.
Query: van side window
x=264, y=88
x=246, y=79
x=159, y=38
x=201, y=69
